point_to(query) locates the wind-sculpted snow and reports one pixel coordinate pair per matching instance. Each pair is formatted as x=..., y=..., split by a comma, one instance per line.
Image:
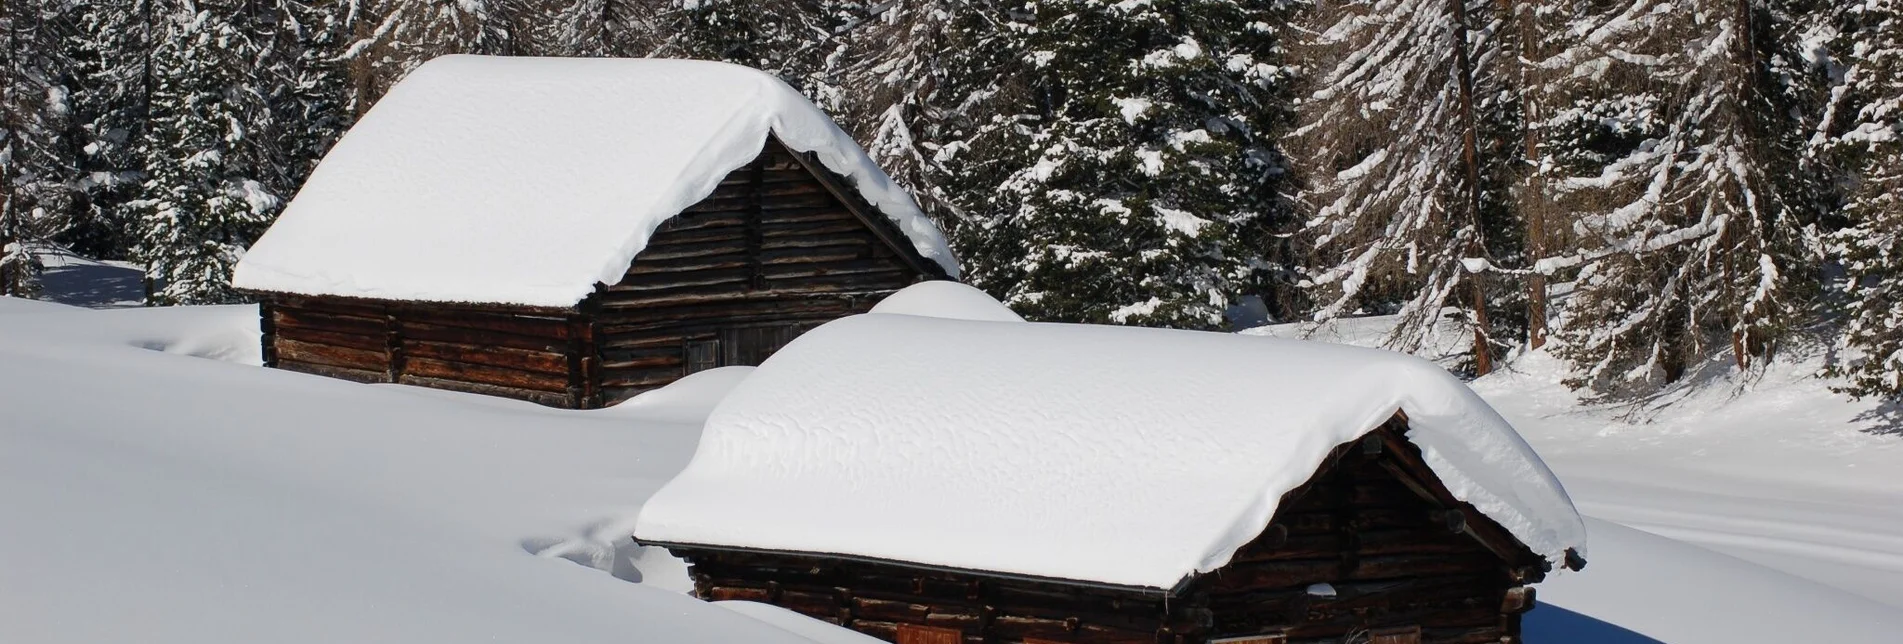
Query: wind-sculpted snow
x=528, y=180
x=1109, y=454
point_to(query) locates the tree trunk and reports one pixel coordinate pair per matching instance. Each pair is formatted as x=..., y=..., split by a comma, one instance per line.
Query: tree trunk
x=1470, y=156
x=1535, y=197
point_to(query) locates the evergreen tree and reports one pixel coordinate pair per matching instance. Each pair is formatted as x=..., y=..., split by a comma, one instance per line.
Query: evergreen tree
x=801, y=41
x=36, y=155
x=201, y=207
x=388, y=38
x=1408, y=140
x=1692, y=211
x=1870, y=140
x=111, y=51
x=1132, y=177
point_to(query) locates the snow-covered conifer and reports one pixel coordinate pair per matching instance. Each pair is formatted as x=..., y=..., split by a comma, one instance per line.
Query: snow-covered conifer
x=388, y=38
x=36, y=151
x=1869, y=137
x=1407, y=138
x=1124, y=169
x=109, y=45
x=1684, y=177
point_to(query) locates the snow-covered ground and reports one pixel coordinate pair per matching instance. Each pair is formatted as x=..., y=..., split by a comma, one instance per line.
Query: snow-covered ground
x=157, y=486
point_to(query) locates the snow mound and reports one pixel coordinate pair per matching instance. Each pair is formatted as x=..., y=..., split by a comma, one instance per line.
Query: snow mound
x=1153, y=454
x=951, y=300
x=528, y=180
x=687, y=400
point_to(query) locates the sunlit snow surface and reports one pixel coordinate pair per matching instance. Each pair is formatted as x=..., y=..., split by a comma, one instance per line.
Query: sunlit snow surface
x=1108, y=454
x=148, y=494
x=528, y=180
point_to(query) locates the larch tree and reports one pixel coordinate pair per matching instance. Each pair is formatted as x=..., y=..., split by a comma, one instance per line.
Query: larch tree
x=1407, y=139
x=1691, y=210
x=1866, y=131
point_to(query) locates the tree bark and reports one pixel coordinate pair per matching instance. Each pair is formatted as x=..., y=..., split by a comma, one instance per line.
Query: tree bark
x=1535, y=197
x=1470, y=156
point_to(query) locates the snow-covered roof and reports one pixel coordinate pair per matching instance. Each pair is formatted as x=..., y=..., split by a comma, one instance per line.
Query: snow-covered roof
x=527, y=180
x=1105, y=454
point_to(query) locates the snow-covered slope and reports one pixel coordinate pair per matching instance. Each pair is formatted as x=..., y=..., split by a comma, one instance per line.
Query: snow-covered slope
x=150, y=495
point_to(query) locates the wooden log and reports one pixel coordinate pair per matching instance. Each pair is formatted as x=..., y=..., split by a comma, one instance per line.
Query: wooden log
x=287, y=318
x=892, y=271
x=412, y=330
x=356, y=375
x=735, y=276
x=734, y=246
x=555, y=327
x=638, y=378
x=820, y=199
x=373, y=342
x=444, y=370
x=698, y=220
x=817, y=214
x=1285, y=574
x=842, y=224
x=339, y=306
x=334, y=356
x=519, y=359
x=552, y=399
x=786, y=174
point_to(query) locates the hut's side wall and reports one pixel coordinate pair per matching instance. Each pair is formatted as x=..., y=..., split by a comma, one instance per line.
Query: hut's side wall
x=876, y=599
x=1392, y=557
x=539, y=356
x=771, y=253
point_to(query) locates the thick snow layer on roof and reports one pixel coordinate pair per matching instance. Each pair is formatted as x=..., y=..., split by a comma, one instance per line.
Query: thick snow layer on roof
x=944, y=299
x=528, y=180
x=1107, y=454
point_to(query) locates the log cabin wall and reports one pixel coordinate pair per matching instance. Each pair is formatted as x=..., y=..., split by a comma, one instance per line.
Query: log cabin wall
x=774, y=251
x=534, y=355
x=1397, y=558
x=879, y=599
x=1405, y=562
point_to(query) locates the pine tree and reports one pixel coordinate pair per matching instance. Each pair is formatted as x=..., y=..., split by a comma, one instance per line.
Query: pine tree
x=1131, y=176
x=1408, y=141
x=1870, y=139
x=1685, y=176
x=36, y=156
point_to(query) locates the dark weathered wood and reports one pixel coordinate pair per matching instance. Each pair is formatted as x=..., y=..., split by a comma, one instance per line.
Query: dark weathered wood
x=518, y=359
x=355, y=375
x=305, y=352
x=485, y=374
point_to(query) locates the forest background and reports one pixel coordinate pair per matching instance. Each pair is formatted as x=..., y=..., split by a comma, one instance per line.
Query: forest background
x=1650, y=189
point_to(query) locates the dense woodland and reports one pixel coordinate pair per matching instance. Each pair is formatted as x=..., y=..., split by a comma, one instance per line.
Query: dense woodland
x=1703, y=181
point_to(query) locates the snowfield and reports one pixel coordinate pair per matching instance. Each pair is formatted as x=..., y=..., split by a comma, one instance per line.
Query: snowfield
x=157, y=486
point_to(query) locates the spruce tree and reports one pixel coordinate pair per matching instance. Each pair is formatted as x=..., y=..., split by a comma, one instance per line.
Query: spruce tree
x=1869, y=139
x=1128, y=172
x=388, y=38
x=801, y=41
x=1407, y=139
x=200, y=209
x=1685, y=179
x=110, y=45
x=36, y=152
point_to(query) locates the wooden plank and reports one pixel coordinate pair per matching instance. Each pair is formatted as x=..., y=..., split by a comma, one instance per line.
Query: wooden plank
x=1396, y=635
x=373, y=342
x=444, y=370
x=413, y=330
x=650, y=282
x=552, y=399
x=555, y=327
x=287, y=318
x=524, y=360
x=916, y=634
x=328, y=355
x=355, y=375
x=879, y=225
x=618, y=378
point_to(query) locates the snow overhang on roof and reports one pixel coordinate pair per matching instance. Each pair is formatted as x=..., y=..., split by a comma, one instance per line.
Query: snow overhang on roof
x=526, y=181
x=1114, y=455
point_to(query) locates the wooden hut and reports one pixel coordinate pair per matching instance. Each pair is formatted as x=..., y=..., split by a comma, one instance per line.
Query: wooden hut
x=575, y=232
x=988, y=482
